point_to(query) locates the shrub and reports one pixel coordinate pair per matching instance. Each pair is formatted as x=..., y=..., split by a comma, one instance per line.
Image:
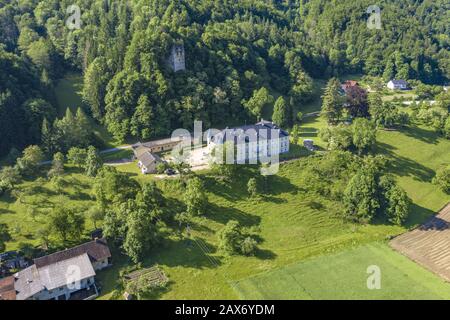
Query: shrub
x=442, y=179
x=249, y=246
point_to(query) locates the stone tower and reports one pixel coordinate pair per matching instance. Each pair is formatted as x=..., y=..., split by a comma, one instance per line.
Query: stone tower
x=177, y=60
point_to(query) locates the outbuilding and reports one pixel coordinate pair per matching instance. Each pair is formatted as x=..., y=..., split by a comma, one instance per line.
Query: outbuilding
x=398, y=85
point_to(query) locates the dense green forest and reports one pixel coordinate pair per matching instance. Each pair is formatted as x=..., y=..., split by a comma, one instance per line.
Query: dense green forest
x=238, y=54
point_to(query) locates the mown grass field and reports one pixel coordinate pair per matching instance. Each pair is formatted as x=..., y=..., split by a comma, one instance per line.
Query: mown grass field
x=292, y=226
x=344, y=276
x=414, y=154
x=295, y=227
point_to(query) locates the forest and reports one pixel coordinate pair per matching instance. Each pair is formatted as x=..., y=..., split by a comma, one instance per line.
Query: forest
x=238, y=55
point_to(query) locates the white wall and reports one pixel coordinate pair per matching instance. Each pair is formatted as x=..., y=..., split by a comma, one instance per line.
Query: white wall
x=55, y=293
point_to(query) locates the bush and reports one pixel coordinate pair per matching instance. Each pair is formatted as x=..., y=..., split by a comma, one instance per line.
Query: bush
x=232, y=240
x=395, y=202
x=161, y=167
x=249, y=246
x=252, y=187
x=338, y=137
x=442, y=179
x=447, y=128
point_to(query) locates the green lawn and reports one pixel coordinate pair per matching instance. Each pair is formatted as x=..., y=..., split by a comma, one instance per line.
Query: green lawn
x=406, y=95
x=26, y=215
x=117, y=155
x=344, y=276
x=414, y=154
x=291, y=224
x=68, y=95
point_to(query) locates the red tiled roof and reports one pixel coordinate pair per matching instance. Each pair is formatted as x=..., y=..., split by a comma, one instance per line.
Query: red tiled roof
x=7, y=290
x=97, y=250
x=350, y=83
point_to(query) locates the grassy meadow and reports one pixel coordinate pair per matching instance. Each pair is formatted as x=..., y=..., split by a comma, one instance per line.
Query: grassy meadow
x=343, y=275
x=68, y=95
x=300, y=236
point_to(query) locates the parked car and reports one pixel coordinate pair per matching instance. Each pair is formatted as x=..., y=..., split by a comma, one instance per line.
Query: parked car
x=171, y=172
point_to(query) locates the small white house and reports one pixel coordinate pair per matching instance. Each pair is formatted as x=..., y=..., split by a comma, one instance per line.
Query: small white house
x=398, y=85
x=147, y=161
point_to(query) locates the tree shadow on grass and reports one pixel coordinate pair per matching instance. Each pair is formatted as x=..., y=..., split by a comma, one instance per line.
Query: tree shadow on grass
x=78, y=183
x=272, y=199
x=277, y=185
x=225, y=214
x=403, y=166
x=418, y=215
x=308, y=132
x=130, y=174
x=232, y=191
x=264, y=254
x=190, y=253
x=200, y=227
x=5, y=211
x=157, y=293
x=425, y=135
x=315, y=205
x=73, y=170
x=7, y=198
x=35, y=189
x=79, y=196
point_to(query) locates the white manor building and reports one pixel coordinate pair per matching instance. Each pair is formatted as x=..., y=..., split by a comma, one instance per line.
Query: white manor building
x=252, y=142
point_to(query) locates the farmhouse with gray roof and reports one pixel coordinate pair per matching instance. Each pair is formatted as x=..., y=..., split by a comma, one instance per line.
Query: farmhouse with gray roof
x=63, y=275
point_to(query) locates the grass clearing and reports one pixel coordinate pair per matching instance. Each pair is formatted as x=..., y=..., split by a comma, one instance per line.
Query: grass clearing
x=117, y=155
x=26, y=215
x=68, y=95
x=292, y=225
x=414, y=154
x=344, y=276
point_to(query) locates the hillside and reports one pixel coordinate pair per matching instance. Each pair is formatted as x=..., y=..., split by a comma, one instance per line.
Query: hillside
x=232, y=50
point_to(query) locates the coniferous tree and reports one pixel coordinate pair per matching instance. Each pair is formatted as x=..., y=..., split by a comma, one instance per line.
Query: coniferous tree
x=332, y=102
x=93, y=162
x=94, y=88
x=47, y=139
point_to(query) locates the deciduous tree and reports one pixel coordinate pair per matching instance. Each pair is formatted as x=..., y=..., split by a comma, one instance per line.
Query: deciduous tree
x=195, y=198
